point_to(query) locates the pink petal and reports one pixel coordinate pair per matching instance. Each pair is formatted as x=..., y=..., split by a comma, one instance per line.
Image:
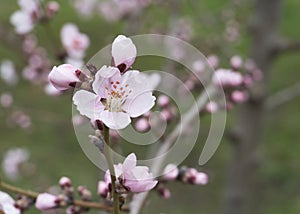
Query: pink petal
x=115, y=120
x=88, y=104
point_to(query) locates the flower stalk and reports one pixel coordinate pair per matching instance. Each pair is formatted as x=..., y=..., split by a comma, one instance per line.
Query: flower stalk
x=110, y=164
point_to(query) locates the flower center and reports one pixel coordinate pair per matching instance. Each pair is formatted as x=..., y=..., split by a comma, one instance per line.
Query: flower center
x=116, y=96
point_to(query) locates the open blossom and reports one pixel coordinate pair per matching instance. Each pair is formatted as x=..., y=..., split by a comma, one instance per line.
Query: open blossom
x=46, y=201
x=134, y=178
x=123, y=52
x=64, y=76
x=73, y=41
x=12, y=160
x=8, y=72
x=225, y=77
x=117, y=97
x=23, y=19
x=7, y=204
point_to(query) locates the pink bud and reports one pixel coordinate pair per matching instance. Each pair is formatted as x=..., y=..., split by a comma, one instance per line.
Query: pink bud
x=239, y=96
x=46, y=201
x=142, y=125
x=6, y=100
x=212, y=107
x=170, y=172
x=198, y=66
x=65, y=182
x=64, y=76
x=52, y=8
x=166, y=114
x=236, y=62
x=51, y=90
x=213, y=61
x=201, y=178
x=102, y=189
x=123, y=52
x=164, y=192
x=163, y=100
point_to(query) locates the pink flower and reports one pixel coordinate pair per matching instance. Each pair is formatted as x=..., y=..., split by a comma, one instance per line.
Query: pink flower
x=201, y=178
x=135, y=178
x=8, y=72
x=224, y=77
x=123, y=52
x=12, y=160
x=170, y=172
x=116, y=97
x=7, y=204
x=213, y=60
x=74, y=42
x=6, y=100
x=46, y=201
x=64, y=76
x=23, y=19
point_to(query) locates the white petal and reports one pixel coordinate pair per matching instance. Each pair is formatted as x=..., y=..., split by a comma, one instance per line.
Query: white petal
x=130, y=162
x=115, y=120
x=139, y=104
x=102, y=79
x=88, y=104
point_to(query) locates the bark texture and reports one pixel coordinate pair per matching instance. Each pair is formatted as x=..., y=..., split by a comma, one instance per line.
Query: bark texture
x=242, y=192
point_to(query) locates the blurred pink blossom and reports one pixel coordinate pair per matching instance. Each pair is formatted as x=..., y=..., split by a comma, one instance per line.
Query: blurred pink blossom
x=163, y=100
x=212, y=107
x=236, y=62
x=239, y=96
x=225, y=77
x=8, y=72
x=12, y=160
x=23, y=19
x=73, y=41
x=6, y=100
x=142, y=124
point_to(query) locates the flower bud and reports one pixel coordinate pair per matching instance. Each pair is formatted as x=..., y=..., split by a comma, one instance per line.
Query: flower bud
x=239, y=96
x=64, y=76
x=123, y=52
x=142, y=125
x=163, y=100
x=170, y=172
x=46, y=201
x=102, y=189
x=236, y=62
x=201, y=178
x=52, y=8
x=65, y=182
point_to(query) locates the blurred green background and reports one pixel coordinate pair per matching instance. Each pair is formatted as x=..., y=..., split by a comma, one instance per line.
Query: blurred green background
x=55, y=150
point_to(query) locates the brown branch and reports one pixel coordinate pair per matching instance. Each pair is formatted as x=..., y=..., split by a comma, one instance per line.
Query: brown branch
x=286, y=46
x=34, y=195
x=283, y=96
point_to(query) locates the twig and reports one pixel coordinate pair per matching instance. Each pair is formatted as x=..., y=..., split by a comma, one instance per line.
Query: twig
x=139, y=200
x=283, y=96
x=34, y=195
x=110, y=164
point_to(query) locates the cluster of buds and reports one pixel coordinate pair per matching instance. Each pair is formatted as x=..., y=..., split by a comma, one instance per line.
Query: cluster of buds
x=236, y=82
x=31, y=12
x=8, y=204
x=183, y=174
x=38, y=65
